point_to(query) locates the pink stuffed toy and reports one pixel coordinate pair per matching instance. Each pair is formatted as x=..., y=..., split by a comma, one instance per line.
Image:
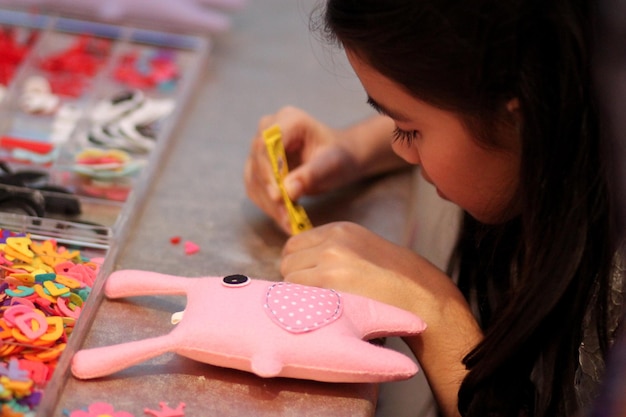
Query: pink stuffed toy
x=269, y=328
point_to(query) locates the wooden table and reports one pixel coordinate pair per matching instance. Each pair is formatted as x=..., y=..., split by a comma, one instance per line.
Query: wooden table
x=268, y=60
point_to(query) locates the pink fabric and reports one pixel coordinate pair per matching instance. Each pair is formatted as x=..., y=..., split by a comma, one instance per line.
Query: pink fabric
x=238, y=325
x=297, y=308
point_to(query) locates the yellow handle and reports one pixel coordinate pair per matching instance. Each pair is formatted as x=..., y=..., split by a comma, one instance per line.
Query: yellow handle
x=273, y=141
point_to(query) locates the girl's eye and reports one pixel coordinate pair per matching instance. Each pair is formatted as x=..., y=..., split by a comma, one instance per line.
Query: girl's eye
x=405, y=136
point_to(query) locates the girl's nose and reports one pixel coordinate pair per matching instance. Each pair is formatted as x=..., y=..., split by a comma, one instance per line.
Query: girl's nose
x=408, y=152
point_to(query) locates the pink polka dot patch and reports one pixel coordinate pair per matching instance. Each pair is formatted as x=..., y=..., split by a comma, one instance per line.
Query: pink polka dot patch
x=299, y=309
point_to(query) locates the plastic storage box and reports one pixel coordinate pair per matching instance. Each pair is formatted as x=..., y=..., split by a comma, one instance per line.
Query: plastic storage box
x=86, y=113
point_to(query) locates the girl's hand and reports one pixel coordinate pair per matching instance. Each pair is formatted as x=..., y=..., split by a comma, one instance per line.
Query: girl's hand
x=320, y=158
x=317, y=159
x=348, y=258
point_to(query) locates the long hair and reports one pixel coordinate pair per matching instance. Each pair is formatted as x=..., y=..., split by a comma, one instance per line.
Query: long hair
x=532, y=278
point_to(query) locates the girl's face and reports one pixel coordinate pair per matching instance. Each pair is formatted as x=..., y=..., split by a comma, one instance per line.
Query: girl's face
x=480, y=179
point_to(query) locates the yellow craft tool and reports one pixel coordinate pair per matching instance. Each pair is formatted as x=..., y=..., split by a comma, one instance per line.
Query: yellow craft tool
x=273, y=141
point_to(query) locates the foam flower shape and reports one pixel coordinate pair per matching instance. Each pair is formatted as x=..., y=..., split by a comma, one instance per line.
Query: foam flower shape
x=100, y=410
x=166, y=411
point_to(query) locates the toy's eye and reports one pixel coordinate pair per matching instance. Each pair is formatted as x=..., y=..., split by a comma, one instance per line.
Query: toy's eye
x=236, y=280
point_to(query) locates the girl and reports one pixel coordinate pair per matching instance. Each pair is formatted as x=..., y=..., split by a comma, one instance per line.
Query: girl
x=493, y=100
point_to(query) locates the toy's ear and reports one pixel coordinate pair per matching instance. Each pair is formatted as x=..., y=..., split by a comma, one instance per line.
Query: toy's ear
x=130, y=283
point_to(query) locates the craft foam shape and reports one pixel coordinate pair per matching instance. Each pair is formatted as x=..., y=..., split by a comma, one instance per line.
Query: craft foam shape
x=273, y=329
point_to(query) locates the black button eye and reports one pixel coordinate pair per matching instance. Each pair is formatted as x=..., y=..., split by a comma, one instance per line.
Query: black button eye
x=236, y=280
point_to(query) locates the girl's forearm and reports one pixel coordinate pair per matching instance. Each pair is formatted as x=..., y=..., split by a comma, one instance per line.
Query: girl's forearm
x=451, y=334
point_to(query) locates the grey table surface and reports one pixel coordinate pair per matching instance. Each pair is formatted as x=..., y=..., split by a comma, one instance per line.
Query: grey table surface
x=268, y=59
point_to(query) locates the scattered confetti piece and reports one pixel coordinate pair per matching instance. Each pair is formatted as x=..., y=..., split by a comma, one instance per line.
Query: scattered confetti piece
x=191, y=248
x=100, y=409
x=103, y=409
x=167, y=411
x=175, y=240
x=13, y=371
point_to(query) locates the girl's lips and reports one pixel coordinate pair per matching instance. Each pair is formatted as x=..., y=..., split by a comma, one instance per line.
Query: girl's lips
x=428, y=180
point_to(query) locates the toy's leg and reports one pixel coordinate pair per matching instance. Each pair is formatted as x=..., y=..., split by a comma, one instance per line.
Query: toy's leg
x=375, y=319
x=106, y=360
x=354, y=360
x=128, y=283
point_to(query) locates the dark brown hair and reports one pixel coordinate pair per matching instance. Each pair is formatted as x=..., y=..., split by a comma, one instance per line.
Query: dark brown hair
x=530, y=279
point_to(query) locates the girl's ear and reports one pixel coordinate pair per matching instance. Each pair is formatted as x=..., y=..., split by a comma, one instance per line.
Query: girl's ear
x=512, y=121
x=512, y=106
x=514, y=114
